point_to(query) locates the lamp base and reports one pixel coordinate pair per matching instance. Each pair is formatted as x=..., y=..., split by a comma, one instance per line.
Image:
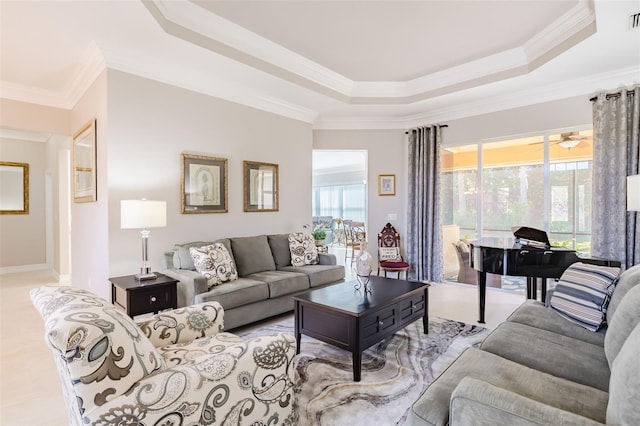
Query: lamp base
x=147, y=276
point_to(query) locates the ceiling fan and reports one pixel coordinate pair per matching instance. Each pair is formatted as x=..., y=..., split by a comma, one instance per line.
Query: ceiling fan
x=569, y=140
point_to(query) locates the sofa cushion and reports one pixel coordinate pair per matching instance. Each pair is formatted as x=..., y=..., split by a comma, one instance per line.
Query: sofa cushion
x=252, y=254
x=626, y=281
x=236, y=293
x=535, y=314
x=188, y=352
x=432, y=407
x=279, y=244
x=103, y=350
x=583, y=293
x=562, y=356
x=182, y=257
x=623, y=322
x=215, y=263
x=282, y=282
x=303, y=249
x=624, y=391
x=319, y=275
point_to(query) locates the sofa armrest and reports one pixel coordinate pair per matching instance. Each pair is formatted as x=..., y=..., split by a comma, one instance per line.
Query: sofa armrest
x=327, y=259
x=247, y=383
x=190, y=283
x=475, y=399
x=183, y=324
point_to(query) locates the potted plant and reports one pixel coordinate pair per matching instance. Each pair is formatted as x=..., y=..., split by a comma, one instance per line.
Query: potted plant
x=319, y=234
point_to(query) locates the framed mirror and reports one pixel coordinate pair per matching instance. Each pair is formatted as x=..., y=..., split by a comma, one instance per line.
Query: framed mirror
x=84, y=163
x=260, y=187
x=14, y=188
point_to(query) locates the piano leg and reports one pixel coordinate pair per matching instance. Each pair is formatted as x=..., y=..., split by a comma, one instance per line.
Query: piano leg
x=532, y=287
x=482, y=293
x=543, y=290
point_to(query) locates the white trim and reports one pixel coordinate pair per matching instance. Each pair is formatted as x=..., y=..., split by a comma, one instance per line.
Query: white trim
x=24, y=268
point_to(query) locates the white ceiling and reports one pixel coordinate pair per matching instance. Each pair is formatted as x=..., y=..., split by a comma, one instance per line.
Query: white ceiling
x=336, y=64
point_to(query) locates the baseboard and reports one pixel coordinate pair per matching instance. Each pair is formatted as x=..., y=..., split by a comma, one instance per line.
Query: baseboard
x=23, y=268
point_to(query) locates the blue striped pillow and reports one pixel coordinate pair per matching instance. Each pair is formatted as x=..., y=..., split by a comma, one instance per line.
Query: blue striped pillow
x=583, y=293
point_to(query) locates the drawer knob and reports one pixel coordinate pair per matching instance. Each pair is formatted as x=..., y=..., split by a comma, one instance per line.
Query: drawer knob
x=153, y=299
x=380, y=323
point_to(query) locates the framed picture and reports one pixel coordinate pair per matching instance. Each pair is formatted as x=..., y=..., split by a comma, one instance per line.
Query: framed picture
x=260, y=187
x=386, y=184
x=84, y=164
x=204, y=184
x=14, y=195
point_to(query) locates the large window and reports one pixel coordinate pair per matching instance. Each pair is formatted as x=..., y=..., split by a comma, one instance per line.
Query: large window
x=339, y=184
x=542, y=182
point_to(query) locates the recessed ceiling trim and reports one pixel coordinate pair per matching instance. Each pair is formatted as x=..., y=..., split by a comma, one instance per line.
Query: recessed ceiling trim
x=195, y=24
x=556, y=91
x=191, y=79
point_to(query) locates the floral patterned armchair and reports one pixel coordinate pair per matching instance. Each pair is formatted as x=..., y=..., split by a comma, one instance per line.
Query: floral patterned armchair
x=175, y=368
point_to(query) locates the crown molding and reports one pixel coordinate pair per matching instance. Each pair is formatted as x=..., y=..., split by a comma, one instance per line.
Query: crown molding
x=188, y=78
x=195, y=24
x=91, y=64
x=560, y=90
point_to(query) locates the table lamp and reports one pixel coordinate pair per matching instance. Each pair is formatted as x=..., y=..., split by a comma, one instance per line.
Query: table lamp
x=143, y=214
x=633, y=193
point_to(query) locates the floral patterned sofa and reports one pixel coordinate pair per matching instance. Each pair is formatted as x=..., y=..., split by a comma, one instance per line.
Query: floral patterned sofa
x=175, y=368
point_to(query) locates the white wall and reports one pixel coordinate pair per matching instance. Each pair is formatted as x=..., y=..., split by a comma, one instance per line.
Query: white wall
x=563, y=114
x=41, y=120
x=387, y=154
x=89, y=221
x=22, y=245
x=151, y=124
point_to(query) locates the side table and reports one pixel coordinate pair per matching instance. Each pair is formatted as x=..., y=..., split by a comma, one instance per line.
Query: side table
x=141, y=297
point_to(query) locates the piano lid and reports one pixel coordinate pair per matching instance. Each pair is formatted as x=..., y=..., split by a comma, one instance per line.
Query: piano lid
x=531, y=237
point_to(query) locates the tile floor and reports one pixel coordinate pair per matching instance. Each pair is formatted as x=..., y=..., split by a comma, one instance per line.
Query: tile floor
x=30, y=391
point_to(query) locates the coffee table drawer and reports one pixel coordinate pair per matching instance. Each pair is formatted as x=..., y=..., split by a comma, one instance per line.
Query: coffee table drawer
x=411, y=309
x=375, y=326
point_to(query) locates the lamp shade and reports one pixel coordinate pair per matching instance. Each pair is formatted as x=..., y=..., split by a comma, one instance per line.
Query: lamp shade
x=141, y=214
x=633, y=193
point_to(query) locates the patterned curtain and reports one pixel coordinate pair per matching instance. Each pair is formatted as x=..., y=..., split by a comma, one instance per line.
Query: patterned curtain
x=616, y=154
x=424, y=239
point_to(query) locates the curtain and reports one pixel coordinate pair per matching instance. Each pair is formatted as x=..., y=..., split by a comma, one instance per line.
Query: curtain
x=616, y=154
x=424, y=240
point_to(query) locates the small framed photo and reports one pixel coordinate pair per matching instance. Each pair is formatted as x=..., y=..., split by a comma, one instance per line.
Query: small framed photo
x=84, y=164
x=386, y=184
x=260, y=182
x=204, y=184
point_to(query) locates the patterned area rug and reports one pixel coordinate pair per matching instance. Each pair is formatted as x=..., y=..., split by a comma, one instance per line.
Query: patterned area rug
x=394, y=373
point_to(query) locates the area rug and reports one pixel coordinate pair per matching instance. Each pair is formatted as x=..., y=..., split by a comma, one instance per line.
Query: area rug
x=394, y=373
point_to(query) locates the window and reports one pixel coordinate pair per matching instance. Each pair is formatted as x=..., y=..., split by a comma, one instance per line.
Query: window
x=518, y=187
x=339, y=184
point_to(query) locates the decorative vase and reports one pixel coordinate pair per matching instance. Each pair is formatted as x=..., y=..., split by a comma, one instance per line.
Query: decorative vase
x=363, y=268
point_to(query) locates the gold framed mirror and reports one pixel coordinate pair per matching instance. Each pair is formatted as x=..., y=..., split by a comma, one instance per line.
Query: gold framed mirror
x=14, y=192
x=84, y=164
x=260, y=182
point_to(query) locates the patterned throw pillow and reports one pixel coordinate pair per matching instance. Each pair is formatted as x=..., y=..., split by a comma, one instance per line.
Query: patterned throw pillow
x=388, y=253
x=583, y=293
x=303, y=249
x=215, y=263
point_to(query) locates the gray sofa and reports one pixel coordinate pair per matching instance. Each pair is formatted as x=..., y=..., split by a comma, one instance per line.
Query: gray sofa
x=537, y=368
x=266, y=278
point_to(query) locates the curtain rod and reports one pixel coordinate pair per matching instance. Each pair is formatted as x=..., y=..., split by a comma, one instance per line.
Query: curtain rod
x=611, y=95
x=439, y=125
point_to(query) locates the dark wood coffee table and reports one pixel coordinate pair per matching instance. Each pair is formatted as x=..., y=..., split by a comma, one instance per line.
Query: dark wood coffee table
x=349, y=319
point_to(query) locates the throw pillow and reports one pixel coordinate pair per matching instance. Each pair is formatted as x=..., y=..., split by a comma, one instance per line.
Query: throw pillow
x=388, y=253
x=583, y=293
x=215, y=263
x=303, y=249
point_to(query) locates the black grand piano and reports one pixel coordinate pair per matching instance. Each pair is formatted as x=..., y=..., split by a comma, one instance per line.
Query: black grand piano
x=529, y=254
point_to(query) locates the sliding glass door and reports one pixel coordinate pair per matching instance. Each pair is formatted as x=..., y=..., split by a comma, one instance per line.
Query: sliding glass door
x=542, y=181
